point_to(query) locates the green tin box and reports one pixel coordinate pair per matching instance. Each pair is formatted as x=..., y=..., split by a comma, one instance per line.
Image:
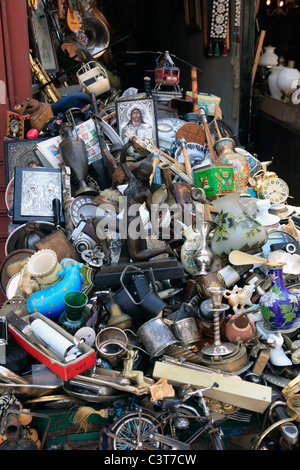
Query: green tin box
x=216, y=180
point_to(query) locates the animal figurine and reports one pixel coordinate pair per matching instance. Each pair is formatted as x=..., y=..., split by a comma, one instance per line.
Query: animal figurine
x=275, y=340
x=27, y=284
x=240, y=297
x=50, y=302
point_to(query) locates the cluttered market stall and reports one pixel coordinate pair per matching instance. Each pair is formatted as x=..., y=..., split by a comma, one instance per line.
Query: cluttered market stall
x=151, y=268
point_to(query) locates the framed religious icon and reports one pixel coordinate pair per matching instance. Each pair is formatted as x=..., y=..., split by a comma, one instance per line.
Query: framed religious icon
x=137, y=117
x=40, y=35
x=22, y=153
x=34, y=192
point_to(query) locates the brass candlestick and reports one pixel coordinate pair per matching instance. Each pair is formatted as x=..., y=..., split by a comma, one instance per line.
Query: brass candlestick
x=217, y=348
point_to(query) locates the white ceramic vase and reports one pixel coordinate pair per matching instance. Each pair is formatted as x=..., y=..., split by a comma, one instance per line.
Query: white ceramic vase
x=287, y=80
x=272, y=82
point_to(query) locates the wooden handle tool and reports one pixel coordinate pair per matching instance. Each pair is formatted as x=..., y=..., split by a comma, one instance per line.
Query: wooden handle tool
x=187, y=163
x=154, y=163
x=194, y=89
x=202, y=115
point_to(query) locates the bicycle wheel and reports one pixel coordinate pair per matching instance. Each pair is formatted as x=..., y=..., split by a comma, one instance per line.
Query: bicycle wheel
x=217, y=441
x=129, y=428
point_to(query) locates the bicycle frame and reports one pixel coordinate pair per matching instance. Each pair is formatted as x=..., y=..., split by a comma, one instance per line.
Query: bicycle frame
x=167, y=419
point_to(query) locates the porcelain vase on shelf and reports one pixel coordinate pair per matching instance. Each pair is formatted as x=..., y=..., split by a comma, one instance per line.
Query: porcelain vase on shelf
x=279, y=307
x=287, y=81
x=235, y=229
x=268, y=57
x=226, y=153
x=275, y=91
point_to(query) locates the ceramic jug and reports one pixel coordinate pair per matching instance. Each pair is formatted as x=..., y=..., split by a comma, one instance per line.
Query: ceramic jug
x=235, y=230
x=188, y=250
x=226, y=153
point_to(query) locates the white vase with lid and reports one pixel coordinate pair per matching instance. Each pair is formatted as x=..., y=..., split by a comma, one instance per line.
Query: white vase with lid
x=287, y=80
x=268, y=58
x=272, y=81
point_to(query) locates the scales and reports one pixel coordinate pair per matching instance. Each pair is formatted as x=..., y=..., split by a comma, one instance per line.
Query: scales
x=93, y=78
x=227, y=357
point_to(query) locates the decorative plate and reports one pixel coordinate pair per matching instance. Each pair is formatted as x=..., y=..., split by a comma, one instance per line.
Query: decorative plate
x=6, y=267
x=9, y=196
x=198, y=154
x=170, y=124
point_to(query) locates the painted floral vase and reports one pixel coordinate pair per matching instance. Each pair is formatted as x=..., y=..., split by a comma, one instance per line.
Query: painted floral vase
x=279, y=306
x=235, y=230
x=188, y=250
x=226, y=153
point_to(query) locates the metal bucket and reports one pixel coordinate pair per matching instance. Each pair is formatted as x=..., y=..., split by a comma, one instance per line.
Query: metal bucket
x=111, y=343
x=156, y=336
x=186, y=331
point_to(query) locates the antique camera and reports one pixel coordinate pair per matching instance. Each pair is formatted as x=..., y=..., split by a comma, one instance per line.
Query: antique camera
x=83, y=237
x=289, y=247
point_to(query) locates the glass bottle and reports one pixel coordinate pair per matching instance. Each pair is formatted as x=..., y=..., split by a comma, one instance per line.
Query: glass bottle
x=73, y=318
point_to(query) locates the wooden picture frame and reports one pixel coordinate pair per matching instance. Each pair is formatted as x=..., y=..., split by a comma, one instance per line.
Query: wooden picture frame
x=34, y=191
x=146, y=114
x=192, y=14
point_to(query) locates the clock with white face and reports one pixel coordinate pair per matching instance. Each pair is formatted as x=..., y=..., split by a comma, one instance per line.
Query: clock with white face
x=274, y=189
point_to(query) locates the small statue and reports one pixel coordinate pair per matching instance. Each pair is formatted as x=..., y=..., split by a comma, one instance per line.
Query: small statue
x=128, y=373
x=138, y=193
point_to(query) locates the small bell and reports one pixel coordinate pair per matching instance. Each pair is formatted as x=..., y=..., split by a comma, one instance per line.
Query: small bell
x=225, y=50
x=210, y=49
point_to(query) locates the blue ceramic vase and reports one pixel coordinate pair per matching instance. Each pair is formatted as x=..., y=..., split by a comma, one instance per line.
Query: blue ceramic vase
x=279, y=307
